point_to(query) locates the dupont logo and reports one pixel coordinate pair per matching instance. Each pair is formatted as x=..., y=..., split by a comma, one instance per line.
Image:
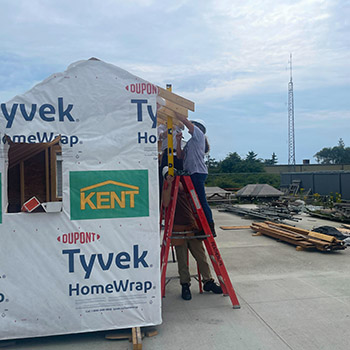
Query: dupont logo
x=142, y=88
x=109, y=194
x=78, y=237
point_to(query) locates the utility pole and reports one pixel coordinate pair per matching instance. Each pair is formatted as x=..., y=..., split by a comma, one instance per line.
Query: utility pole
x=291, y=138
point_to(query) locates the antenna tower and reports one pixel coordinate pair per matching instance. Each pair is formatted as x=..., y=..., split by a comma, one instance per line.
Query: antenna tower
x=291, y=138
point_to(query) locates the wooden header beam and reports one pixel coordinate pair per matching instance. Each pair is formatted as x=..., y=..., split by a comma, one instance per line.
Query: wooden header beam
x=176, y=99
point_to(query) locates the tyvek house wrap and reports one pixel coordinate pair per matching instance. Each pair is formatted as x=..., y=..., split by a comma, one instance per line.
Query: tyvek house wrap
x=95, y=264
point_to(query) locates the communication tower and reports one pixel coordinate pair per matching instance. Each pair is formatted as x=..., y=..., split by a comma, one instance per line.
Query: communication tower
x=291, y=138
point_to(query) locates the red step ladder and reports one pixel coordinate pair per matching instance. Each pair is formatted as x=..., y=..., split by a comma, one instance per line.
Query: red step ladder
x=209, y=241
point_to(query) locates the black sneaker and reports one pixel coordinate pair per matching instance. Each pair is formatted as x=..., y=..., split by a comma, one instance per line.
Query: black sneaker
x=186, y=293
x=211, y=286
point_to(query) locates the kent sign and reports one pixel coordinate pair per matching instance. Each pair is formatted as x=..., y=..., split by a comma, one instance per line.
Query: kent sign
x=109, y=194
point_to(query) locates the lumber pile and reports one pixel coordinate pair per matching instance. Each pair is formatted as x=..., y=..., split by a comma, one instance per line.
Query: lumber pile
x=303, y=239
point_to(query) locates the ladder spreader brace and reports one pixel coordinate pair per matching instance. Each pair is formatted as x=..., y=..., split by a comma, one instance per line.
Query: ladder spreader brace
x=209, y=242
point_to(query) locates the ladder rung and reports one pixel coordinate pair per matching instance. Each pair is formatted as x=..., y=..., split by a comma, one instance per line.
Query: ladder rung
x=189, y=237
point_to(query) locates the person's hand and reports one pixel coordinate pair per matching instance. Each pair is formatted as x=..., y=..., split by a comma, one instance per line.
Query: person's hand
x=170, y=179
x=179, y=116
x=179, y=137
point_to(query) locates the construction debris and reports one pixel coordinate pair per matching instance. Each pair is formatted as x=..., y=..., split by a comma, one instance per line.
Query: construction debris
x=302, y=239
x=262, y=212
x=340, y=212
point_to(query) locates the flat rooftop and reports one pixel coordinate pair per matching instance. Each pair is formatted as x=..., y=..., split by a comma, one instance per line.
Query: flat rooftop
x=289, y=300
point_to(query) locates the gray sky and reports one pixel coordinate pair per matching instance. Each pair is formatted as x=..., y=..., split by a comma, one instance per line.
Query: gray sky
x=228, y=56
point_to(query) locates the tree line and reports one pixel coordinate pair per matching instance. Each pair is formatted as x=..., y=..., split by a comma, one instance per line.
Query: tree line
x=334, y=155
x=235, y=171
x=234, y=163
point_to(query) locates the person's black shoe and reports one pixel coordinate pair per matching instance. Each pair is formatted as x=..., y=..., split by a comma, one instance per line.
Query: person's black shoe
x=212, y=228
x=186, y=293
x=211, y=286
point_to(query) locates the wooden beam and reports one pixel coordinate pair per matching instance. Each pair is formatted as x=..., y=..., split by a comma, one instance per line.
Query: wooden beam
x=136, y=338
x=53, y=180
x=176, y=99
x=171, y=113
x=322, y=236
x=176, y=108
x=47, y=175
x=161, y=115
x=234, y=227
x=21, y=177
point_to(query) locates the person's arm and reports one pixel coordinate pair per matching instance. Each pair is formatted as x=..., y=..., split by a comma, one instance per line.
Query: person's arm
x=162, y=132
x=179, y=152
x=166, y=194
x=186, y=122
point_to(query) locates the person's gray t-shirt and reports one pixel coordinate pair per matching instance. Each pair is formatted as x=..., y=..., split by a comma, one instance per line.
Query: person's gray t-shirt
x=194, y=153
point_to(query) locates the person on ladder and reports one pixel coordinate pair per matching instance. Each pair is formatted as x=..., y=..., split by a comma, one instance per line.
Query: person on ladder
x=193, y=161
x=184, y=221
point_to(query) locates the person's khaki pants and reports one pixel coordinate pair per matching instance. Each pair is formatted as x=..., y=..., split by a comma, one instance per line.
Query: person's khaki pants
x=197, y=250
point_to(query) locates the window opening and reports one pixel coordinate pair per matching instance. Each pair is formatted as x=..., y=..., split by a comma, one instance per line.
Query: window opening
x=34, y=170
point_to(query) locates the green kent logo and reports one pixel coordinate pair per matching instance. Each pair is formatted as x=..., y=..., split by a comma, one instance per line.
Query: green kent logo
x=108, y=194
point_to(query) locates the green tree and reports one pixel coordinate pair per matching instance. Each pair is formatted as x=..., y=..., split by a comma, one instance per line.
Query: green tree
x=251, y=164
x=212, y=164
x=271, y=161
x=231, y=164
x=334, y=155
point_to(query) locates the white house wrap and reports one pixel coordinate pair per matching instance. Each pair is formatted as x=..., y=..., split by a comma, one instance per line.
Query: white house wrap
x=94, y=264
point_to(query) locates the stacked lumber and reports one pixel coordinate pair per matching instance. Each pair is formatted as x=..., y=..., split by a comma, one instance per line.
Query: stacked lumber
x=303, y=239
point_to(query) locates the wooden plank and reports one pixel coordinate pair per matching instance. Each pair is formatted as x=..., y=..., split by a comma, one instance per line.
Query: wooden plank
x=322, y=236
x=319, y=243
x=53, y=174
x=136, y=338
x=47, y=175
x=164, y=117
x=21, y=176
x=170, y=113
x=344, y=230
x=288, y=227
x=176, y=108
x=151, y=333
x=176, y=99
x=119, y=336
x=234, y=227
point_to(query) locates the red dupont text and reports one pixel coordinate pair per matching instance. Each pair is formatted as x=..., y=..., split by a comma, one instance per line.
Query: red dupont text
x=78, y=237
x=142, y=88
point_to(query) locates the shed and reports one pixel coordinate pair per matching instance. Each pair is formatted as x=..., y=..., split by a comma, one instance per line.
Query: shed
x=258, y=191
x=84, y=139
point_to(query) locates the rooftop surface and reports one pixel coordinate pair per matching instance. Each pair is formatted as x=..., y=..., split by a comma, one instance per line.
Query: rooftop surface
x=289, y=300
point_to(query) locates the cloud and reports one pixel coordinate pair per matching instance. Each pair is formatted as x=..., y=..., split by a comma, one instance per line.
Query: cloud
x=229, y=56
